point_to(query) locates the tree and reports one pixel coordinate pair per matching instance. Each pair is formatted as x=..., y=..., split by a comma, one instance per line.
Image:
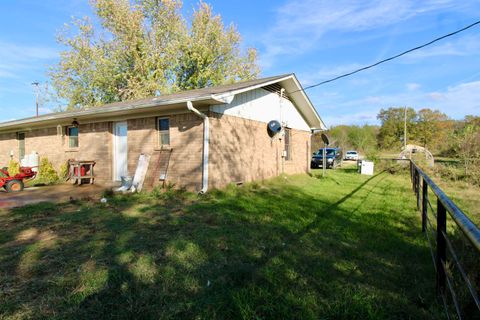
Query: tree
x=211, y=55
x=428, y=125
x=339, y=136
x=145, y=48
x=467, y=146
x=362, y=138
x=391, y=132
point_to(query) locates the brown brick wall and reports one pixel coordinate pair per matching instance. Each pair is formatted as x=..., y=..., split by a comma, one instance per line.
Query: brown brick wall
x=94, y=144
x=8, y=143
x=186, y=140
x=242, y=151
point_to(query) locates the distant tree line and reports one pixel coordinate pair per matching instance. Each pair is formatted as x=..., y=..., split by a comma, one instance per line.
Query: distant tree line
x=428, y=128
x=432, y=129
x=362, y=138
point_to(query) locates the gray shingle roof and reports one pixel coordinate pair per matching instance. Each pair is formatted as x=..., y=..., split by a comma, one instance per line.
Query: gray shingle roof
x=195, y=94
x=206, y=95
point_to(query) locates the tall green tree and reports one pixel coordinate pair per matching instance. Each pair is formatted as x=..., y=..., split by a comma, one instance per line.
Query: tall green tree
x=391, y=133
x=361, y=138
x=429, y=126
x=211, y=54
x=339, y=136
x=467, y=146
x=146, y=47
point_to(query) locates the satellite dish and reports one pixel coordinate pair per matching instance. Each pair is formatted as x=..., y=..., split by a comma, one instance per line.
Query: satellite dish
x=325, y=139
x=273, y=128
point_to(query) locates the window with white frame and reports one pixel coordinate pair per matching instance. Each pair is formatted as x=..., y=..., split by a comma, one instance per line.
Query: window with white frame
x=72, y=133
x=163, y=126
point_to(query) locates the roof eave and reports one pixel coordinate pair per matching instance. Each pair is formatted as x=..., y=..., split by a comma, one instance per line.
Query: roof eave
x=106, y=112
x=289, y=81
x=304, y=105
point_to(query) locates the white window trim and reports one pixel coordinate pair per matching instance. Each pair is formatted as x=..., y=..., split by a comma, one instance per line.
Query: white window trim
x=67, y=131
x=159, y=132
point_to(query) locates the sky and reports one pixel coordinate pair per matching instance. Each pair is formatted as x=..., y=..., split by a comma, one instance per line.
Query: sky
x=315, y=39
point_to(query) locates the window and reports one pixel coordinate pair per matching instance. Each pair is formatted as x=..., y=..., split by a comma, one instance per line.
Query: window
x=72, y=133
x=328, y=152
x=287, y=139
x=21, y=145
x=163, y=131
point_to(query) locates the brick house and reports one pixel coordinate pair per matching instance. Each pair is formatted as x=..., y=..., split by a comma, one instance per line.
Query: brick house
x=208, y=137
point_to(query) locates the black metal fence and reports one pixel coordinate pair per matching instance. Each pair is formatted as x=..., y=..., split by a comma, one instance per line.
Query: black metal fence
x=451, y=271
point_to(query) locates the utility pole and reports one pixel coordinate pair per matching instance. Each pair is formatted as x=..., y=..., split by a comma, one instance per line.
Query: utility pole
x=405, y=129
x=36, y=84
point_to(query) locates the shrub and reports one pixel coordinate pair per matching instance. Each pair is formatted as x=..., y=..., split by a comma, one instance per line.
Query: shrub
x=372, y=154
x=46, y=172
x=447, y=172
x=63, y=174
x=474, y=173
x=13, y=167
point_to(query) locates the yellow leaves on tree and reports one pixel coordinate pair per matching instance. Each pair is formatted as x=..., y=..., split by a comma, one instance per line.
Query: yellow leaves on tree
x=146, y=48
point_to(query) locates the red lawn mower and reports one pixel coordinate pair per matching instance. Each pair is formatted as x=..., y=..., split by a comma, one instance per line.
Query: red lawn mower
x=15, y=183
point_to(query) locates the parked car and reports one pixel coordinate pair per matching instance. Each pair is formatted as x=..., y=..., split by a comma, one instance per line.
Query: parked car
x=333, y=155
x=351, y=155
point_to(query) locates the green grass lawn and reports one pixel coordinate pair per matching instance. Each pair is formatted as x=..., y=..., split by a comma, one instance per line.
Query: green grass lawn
x=296, y=247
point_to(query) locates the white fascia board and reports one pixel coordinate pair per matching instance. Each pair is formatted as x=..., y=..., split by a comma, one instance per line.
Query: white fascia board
x=302, y=103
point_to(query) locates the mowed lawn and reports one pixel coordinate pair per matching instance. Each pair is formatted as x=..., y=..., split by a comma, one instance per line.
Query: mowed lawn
x=296, y=247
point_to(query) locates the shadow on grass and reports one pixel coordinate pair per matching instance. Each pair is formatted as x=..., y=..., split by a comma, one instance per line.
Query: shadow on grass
x=305, y=248
x=352, y=168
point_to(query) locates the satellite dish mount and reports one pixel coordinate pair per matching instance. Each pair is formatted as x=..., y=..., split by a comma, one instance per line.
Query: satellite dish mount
x=325, y=139
x=274, y=127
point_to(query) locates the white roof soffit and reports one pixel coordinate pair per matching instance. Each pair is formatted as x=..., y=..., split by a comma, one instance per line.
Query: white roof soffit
x=227, y=97
x=291, y=84
x=294, y=90
x=224, y=97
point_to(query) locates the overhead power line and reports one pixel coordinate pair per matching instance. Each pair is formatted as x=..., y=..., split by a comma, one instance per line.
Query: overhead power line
x=390, y=58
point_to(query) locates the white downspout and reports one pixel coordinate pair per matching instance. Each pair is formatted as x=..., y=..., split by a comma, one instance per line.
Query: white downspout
x=282, y=90
x=206, y=134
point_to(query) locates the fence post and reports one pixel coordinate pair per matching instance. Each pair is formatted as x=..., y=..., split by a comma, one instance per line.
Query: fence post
x=411, y=172
x=441, y=245
x=413, y=177
x=424, y=204
x=418, y=190
x=413, y=180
